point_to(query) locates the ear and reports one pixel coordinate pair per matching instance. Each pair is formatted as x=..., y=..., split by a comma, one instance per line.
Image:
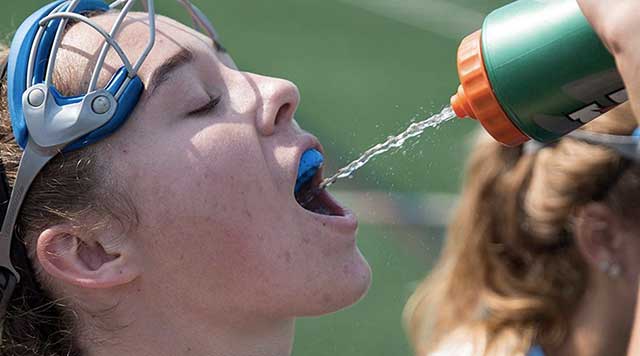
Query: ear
x=597, y=232
x=92, y=260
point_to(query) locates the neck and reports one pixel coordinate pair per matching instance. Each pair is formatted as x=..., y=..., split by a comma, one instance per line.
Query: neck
x=160, y=334
x=596, y=329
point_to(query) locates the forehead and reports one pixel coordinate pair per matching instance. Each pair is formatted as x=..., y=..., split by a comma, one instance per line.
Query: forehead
x=81, y=45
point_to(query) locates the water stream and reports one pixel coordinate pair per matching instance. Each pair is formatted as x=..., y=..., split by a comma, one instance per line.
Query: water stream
x=414, y=130
x=392, y=142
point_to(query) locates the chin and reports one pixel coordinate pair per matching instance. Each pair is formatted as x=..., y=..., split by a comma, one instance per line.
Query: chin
x=361, y=281
x=352, y=285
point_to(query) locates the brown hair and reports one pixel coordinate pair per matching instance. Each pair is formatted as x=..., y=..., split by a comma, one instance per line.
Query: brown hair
x=510, y=274
x=73, y=188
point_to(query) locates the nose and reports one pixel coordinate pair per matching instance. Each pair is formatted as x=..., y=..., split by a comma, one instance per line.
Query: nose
x=280, y=99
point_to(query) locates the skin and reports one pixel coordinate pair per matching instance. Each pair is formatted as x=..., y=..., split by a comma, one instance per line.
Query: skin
x=617, y=24
x=602, y=323
x=222, y=259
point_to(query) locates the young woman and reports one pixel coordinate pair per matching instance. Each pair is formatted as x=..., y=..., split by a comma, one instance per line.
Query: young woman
x=542, y=254
x=179, y=234
x=618, y=26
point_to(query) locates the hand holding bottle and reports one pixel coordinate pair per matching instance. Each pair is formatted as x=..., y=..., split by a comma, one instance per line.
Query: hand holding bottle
x=617, y=24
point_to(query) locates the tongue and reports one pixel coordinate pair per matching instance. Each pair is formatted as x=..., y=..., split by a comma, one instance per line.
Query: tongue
x=310, y=162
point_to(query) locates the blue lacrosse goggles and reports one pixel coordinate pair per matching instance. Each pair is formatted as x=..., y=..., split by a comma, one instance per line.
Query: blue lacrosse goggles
x=46, y=123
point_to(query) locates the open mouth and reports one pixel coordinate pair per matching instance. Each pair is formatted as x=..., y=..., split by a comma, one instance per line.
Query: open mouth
x=318, y=201
x=307, y=193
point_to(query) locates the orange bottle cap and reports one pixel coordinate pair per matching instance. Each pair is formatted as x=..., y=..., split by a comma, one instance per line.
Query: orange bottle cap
x=475, y=97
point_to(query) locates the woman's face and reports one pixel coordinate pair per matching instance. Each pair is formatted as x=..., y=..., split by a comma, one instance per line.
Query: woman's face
x=209, y=158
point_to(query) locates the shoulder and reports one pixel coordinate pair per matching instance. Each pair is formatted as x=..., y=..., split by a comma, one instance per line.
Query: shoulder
x=461, y=342
x=465, y=349
x=465, y=342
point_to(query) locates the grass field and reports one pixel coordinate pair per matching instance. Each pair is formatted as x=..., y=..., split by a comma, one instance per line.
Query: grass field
x=365, y=69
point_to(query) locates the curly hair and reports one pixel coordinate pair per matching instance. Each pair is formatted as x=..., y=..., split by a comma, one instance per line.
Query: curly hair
x=510, y=270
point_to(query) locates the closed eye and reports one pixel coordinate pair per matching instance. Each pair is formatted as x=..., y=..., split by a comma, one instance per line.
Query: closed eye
x=207, y=108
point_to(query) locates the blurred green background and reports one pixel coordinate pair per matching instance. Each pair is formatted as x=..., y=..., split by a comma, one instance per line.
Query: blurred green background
x=365, y=69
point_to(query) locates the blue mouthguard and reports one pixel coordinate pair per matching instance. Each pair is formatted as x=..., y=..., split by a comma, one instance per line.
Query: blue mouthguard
x=310, y=162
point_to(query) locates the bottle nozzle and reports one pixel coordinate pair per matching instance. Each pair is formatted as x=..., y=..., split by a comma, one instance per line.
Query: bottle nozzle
x=460, y=105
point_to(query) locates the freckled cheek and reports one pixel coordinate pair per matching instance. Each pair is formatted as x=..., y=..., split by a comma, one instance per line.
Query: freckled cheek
x=223, y=232
x=270, y=250
x=246, y=261
x=215, y=197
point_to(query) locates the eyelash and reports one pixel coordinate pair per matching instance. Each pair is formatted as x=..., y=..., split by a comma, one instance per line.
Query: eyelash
x=206, y=109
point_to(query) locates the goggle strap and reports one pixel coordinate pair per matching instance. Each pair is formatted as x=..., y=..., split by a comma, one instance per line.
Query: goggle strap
x=4, y=65
x=8, y=284
x=8, y=279
x=33, y=160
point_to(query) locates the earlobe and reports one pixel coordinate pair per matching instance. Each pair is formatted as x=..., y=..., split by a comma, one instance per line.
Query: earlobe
x=67, y=254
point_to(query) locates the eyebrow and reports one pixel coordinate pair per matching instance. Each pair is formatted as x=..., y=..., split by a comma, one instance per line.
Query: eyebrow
x=162, y=74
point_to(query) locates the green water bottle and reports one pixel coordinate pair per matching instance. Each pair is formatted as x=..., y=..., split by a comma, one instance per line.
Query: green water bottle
x=536, y=70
